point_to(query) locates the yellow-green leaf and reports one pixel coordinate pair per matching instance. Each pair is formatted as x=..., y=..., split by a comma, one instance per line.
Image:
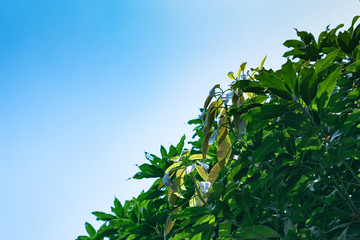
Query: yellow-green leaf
x=262, y=62
x=203, y=174
x=231, y=75
x=241, y=69
x=193, y=202
x=180, y=173
x=213, y=111
x=214, y=173
x=172, y=166
x=197, y=157
x=224, y=149
x=169, y=224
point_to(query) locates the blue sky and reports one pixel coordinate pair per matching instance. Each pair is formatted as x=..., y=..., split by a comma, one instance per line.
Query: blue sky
x=87, y=86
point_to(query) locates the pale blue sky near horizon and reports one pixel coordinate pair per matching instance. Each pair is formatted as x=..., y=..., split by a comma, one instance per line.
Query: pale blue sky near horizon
x=86, y=87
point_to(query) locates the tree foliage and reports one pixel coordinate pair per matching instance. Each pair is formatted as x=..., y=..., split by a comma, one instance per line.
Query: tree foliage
x=274, y=156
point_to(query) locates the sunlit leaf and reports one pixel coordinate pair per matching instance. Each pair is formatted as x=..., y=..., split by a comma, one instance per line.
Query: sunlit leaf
x=326, y=62
x=241, y=69
x=203, y=174
x=262, y=62
x=193, y=202
x=354, y=67
x=172, y=166
x=197, y=157
x=225, y=229
x=231, y=75
x=214, y=173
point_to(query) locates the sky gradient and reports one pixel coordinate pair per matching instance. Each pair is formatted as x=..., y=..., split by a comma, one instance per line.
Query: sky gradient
x=87, y=86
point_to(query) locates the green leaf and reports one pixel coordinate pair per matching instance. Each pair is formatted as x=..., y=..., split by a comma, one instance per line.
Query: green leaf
x=248, y=86
x=354, y=94
x=265, y=112
x=258, y=232
x=103, y=216
x=104, y=231
x=191, y=212
x=163, y=152
x=83, y=238
x=180, y=145
x=118, y=210
x=225, y=229
x=90, y=229
x=345, y=42
x=293, y=43
x=214, y=172
x=149, y=171
x=201, y=171
x=170, y=223
x=289, y=76
x=327, y=86
x=354, y=67
x=274, y=84
x=351, y=121
x=309, y=84
x=224, y=149
x=269, y=144
x=326, y=62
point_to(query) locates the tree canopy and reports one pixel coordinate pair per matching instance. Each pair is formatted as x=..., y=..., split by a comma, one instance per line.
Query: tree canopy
x=273, y=156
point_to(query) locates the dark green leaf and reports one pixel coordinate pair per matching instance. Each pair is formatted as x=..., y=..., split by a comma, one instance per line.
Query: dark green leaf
x=249, y=86
x=269, y=144
x=258, y=232
x=289, y=76
x=293, y=43
x=265, y=112
x=83, y=238
x=275, y=85
x=180, y=145
x=90, y=229
x=103, y=216
x=309, y=84
x=345, y=42
x=163, y=152
x=118, y=210
x=149, y=171
x=327, y=86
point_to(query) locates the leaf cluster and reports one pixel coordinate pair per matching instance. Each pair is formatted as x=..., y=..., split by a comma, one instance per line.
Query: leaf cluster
x=274, y=156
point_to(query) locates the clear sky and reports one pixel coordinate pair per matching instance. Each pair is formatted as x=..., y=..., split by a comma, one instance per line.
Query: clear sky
x=87, y=86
